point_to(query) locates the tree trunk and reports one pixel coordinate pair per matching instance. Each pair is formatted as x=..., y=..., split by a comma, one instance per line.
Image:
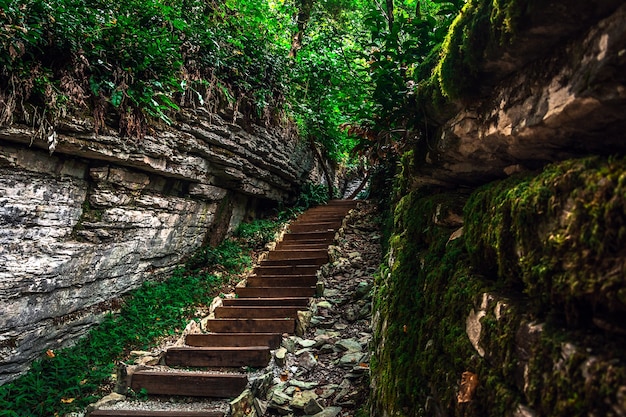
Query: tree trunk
x=356, y=192
x=318, y=154
x=390, y=14
x=304, y=14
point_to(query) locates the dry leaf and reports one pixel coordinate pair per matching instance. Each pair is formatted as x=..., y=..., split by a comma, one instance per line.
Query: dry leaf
x=67, y=400
x=469, y=382
x=50, y=353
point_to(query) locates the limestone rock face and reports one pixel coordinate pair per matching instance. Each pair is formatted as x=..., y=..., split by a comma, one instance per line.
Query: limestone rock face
x=102, y=214
x=567, y=103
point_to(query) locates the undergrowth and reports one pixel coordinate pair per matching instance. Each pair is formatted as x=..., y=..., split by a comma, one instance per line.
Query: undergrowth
x=69, y=379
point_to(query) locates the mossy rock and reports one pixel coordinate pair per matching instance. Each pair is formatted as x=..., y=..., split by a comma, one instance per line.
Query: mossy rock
x=559, y=236
x=481, y=28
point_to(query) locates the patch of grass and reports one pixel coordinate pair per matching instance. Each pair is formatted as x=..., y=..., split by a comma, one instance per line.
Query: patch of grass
x=69, y=379
x=227, y=256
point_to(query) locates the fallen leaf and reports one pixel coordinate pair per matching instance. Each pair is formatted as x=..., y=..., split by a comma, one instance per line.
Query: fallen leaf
x=469, y=382
x=404, y=328
x=67, y=400
x=50, y=353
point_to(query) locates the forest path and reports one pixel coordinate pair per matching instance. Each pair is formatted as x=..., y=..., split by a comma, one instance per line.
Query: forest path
x=271, y=345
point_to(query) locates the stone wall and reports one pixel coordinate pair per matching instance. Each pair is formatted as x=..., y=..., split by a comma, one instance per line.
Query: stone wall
x=503, y=289
x=569, y=101
x=102, y=214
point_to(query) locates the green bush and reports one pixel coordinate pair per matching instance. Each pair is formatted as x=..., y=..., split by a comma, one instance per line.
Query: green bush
x=258, y=233
x=228, y=255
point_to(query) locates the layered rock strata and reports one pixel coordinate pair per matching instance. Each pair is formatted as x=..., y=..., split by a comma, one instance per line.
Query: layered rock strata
x=569, y=101
x=94, y=219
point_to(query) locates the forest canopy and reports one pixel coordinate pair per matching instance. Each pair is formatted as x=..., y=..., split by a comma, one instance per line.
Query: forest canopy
x=344, y=71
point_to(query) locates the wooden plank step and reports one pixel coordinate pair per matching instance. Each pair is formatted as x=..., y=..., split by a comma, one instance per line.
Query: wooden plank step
x=319, y=217
x=155, y=413
x=189, y=384
x=281, y=281
x=279, y=254
x=254, y=356
x=257, y=312
x=299, y=246
x=295, y=261
x=281, y=325
x=234, y=339
x=313, y=227
x=308, y=235
x=271, y=292
x=279, y=301
x=262, y=270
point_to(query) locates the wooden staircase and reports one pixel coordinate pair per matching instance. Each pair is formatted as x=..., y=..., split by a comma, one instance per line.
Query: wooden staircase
x=246, y=328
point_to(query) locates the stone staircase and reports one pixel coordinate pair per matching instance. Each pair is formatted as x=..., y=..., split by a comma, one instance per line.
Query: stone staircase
x=245, y=329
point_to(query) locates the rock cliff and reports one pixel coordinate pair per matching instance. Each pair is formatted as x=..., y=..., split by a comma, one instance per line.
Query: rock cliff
x=101, y=214
x=503, y=290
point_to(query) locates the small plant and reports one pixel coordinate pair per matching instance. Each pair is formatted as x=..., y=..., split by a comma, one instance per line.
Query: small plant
x=258, y=233
x=228, y=255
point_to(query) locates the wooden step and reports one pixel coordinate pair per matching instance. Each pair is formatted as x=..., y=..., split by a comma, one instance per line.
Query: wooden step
x=283, y=301
x=296, y=261
x=308, y=235
x=254, y=356
x=318, y=218
x=154, y=413
x=281, y=281
x=234, y=339
x=189, y=384
x=287, y=254
x=280, y=325
x=256, y=312
x=313, y=227
x=272, y=292
x=263, y=270
x=300, y=246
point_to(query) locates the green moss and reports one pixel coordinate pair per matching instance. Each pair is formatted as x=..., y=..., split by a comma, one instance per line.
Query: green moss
x=480, y=28
x=559, y=236
x=551, y=240
x=575, y=373
x=424, y=342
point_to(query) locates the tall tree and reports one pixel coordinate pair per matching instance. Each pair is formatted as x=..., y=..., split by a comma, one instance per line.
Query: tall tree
x=302, y=20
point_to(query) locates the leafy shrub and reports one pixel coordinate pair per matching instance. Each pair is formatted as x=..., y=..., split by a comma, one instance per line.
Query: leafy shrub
x=228, y=255
x=258, y=233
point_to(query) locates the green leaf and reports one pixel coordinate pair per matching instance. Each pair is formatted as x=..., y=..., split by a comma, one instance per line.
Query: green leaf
x=117, y=97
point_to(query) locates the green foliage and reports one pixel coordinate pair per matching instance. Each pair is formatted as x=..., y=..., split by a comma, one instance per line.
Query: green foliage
x=144, y=55
x=257, y=233
x=69, y=379
x=228, y=255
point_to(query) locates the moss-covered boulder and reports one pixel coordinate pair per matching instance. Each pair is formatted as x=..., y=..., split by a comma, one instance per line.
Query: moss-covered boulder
x=560, y=237
x=518, y=315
